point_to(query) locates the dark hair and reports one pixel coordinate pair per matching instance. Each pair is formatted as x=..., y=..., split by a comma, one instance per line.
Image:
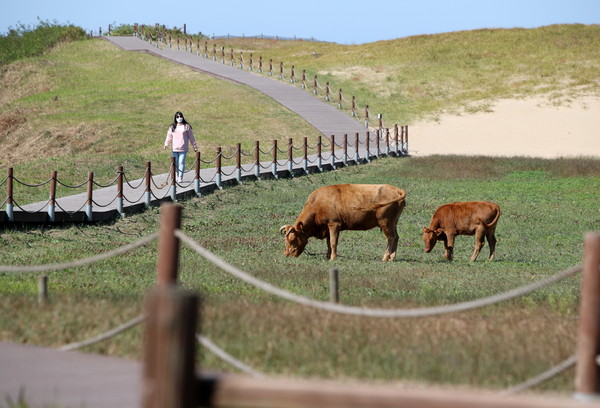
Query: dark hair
x=174, y=124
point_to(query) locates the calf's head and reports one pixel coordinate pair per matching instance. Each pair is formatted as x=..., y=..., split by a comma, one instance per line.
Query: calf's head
x=295, y=239
x=430, y=237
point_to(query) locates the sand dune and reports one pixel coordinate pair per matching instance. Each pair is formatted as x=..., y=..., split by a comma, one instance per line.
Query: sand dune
x=517, y=127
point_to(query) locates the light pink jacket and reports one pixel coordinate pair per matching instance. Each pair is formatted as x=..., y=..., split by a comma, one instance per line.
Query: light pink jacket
x=181, y=136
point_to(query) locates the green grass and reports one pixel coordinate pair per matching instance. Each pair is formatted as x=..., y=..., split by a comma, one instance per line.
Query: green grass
x=547, y=205
x=87, y=106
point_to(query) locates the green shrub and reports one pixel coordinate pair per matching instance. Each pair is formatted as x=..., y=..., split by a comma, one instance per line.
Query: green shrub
x=24, y=41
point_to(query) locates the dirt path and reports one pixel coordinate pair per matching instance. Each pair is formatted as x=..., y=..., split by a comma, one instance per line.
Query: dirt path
x=528, y=127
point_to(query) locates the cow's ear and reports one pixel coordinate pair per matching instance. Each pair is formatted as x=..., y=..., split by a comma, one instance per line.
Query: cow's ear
x=439, y=231
x=300, y=226
x=424, y=229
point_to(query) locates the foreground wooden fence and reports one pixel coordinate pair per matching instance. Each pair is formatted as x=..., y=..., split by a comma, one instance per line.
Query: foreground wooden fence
x=172, y=380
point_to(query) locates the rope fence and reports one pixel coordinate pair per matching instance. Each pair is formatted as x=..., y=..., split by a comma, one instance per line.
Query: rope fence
x=332, y=306
x=120, y=191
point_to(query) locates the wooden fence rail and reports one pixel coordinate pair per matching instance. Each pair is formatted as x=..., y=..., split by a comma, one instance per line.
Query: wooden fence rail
x=172, y=381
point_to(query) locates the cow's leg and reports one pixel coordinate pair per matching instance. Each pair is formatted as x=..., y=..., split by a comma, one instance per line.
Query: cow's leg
x=334, y=232
x=479, y=242
x=491, y=239
x=392, y=243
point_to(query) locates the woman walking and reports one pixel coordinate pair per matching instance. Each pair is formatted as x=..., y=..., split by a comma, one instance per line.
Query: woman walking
x=179, y=136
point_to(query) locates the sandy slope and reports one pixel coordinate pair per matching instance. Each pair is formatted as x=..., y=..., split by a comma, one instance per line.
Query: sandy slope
x=530, y=127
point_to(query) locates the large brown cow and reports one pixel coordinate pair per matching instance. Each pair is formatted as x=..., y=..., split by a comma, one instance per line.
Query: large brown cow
x=331, y=209
x=477, y=218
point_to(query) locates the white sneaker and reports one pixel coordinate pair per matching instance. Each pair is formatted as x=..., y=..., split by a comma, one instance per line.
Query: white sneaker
x=179, y=179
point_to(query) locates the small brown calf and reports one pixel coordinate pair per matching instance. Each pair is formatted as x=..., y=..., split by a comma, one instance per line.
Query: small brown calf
x=477, y=218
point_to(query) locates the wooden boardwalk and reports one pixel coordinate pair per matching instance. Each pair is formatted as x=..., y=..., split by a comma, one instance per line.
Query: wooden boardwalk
x=52, y=378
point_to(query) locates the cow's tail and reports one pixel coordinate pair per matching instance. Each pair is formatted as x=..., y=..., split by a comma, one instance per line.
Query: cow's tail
x=495, y=220
x=401, y=197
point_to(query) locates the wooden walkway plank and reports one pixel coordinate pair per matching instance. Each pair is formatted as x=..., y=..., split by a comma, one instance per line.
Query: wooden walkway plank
x=49, y=377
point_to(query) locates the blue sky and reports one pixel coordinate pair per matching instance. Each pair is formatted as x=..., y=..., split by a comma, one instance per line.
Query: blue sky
x=341, y=21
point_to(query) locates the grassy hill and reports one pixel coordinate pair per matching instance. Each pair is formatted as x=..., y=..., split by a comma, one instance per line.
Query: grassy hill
x=416, y=77
x=90, y=104
x=102, y=107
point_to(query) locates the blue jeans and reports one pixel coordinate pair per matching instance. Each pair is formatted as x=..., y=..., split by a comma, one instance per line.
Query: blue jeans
x=179, y=163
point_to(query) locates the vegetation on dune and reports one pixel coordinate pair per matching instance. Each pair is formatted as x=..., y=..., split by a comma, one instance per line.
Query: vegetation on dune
x=418, y=77
x=23, y=41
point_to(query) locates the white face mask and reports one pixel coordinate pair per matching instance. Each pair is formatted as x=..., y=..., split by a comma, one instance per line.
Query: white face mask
x=179, y=120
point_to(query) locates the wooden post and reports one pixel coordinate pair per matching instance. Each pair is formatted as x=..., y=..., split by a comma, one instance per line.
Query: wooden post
x=366, y=116
x=368, y=146
x=170, y=349
x=238, y=163
x=327, y=98
x=219, y=167
x=315, y=85
x=274, y=163
x=334, y=292
x=333, y=152
x=120, y=191
x=148, y=192
x=340, y=98
x=257, y=160
x=357, y=147
x=353, y=106
x=291, y=156
x=345, y=149
x=90, y=199
x=305, y=154
x=173, y=173
x=168, y=245
x=9, y=195
x=197, y=175
x=319, y=153
x=587, y=376
x=43, y=290
x=396, y=139
x=52, y=202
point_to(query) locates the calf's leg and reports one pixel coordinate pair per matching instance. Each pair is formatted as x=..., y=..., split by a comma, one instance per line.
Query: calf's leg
x=479, y=242
x=491, y=239
x=449, y=246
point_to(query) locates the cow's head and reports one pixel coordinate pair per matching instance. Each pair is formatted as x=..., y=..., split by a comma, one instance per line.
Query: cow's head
x=430, y=237
x=295, y=239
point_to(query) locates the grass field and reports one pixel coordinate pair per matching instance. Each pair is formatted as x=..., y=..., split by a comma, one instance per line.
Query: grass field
x=494, y=347
x=88, y=106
